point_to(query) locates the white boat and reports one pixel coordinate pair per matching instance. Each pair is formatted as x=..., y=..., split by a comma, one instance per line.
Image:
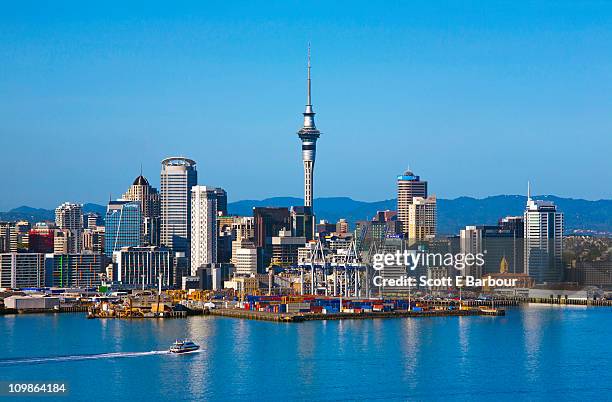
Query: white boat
x=183, y=346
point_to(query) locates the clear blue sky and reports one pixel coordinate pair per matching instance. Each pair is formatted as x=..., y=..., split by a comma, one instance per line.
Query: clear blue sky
x=476, y=97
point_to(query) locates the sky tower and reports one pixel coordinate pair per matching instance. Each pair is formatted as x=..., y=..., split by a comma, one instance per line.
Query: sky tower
x=309, y=135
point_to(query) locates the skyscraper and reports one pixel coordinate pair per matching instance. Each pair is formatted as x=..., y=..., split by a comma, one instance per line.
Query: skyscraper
x=178, y=176
x=422, y=219
x=203, y=227
x=302, y=222
x=123, y=226
x=149, y=200
x=221, y=201
x=409, y=186
x=309, y=135
x=543, y=241
x=268, y=222
x=69, y=216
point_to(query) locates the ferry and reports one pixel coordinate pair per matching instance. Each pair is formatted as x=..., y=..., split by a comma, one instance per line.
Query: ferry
x=183, y=346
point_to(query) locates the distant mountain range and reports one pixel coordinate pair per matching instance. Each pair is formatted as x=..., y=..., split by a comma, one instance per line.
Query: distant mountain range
x=453, y=215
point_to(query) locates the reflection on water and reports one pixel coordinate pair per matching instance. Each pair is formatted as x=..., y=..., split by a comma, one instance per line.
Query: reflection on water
x=532, y=334
x=410, y=346
x=306, y=338
x=533, y=353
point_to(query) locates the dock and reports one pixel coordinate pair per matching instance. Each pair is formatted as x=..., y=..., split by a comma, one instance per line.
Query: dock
x=301, y=317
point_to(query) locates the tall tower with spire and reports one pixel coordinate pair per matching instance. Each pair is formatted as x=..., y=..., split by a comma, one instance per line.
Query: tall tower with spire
x=309, y=135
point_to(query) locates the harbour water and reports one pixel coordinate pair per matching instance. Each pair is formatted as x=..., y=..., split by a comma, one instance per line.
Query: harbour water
x=535, y=353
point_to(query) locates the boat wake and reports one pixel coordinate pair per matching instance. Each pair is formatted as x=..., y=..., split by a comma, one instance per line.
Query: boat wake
x=57, y=359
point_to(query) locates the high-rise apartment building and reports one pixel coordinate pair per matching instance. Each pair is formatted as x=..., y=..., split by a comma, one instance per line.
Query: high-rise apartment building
x=123, y=226
x=543, y=241
x=203, y=227
x=422, y=219
x=150, y=206
x=69, y=216
x=409, y=186
x=178, y=176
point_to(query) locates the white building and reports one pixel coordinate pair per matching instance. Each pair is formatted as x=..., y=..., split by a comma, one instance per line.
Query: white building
x=543, y=241
x=203, y=227
x=422, y=219
x=246, y=261
x=178, y=176
x=409, y=186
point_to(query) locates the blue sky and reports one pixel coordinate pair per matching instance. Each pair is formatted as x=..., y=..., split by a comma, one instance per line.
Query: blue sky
x=476, y=97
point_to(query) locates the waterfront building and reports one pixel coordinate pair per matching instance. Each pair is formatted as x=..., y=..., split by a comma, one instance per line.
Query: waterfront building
x=309, y=135
x=141, y=266
x=69, y=216
x=212, y=276
x=543, y=241
x=150, y=208
x=178, y=176
x=123, y=226
x=82, y=270
x=591, y=273
x=243, y=284
x=22, y=270
x=203, y=227
x=422, y=219
x=409, y=186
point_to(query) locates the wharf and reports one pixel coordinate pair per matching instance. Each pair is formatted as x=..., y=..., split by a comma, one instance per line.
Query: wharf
x=299, y=317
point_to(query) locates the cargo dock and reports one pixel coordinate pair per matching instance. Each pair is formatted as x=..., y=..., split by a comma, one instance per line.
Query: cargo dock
x=300, y=317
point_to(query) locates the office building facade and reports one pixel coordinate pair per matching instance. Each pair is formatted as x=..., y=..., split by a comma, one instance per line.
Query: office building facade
x=409, y=186
x=203, y=227
x=178, y=176
x=544, y=227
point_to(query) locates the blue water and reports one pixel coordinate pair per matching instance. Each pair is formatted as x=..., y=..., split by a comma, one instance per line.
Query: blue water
x=534, y=353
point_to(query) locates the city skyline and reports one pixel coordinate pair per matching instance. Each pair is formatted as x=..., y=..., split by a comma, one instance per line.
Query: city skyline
x=400, y=82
